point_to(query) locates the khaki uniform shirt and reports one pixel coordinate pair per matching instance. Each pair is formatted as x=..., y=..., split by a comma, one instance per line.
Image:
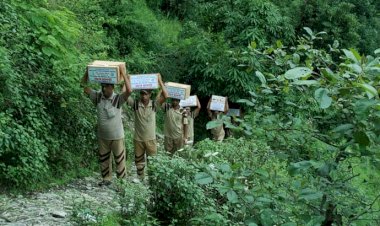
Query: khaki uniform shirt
x=110, y=125
x=145, y=120
x=174, y=121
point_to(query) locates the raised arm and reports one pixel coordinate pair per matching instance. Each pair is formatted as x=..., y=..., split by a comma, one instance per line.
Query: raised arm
x=163, y=94
x=196, y=111
x=84, y=84
x=226, y=107
x=126, y=90
x=185, y=123
x=209, y=113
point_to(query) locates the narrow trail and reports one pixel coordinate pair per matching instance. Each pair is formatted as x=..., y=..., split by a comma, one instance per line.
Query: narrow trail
x=56, y=206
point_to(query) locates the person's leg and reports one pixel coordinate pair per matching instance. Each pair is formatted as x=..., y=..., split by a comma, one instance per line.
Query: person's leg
x=105, y=159
x=178, y=144
x=151, y=150
x=168, y=144
x=139, y=157
x=191, y=141
x=120, y=157
x=221, y=136
x=151, y=147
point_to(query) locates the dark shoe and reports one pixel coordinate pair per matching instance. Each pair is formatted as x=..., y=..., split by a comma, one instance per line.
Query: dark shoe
x=105, y=183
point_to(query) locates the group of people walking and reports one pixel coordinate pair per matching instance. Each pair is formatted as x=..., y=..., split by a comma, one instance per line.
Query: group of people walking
x=178, y=125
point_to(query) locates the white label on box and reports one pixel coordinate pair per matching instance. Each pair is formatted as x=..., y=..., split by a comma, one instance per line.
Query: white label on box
x=176, y=92
x=217, y=103
x=144, y=81
x=102, y=74
x=233, y=112
x=189, y=102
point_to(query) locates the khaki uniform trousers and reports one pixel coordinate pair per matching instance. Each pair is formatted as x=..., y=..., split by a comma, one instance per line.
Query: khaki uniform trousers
x=172, y=145
x=143, y=149
x=105, y=158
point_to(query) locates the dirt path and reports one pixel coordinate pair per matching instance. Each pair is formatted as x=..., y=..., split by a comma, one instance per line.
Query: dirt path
x=58, y=206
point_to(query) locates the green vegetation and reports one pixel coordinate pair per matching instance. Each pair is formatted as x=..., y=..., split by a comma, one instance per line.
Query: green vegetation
x=307, y=74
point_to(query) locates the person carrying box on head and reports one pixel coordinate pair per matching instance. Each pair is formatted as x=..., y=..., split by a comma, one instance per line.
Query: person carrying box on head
x=110, y=131
x=144, y=139
x=175, y=126
x=191, y=115
x=216, y=107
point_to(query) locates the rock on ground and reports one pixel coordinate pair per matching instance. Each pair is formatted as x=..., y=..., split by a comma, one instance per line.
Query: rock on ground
x=56, y=206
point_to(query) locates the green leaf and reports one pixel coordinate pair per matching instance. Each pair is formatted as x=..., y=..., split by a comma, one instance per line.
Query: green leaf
x=343, y=128
x=253, y=94
x=289, y=224
x=309, y=31
x=232, y=196
x=350, y=55
x=261, y=78
x=363, y=106
x=315, y=220
x=327, y=73
x=203, y=178
x=225, y=167
x=296, y=58
x=356, y=54
x=377, y=51
x=295, y=168
x=324, y=170
x=279, y=44
x=298, y=72
x=262, y=172
x=266, y=217
x=306, y=82
x=214, y=124
x=336, y=44
x=321, y=96
x=264, y=200
x=355, y=68
x=245, y=101
x=309, y=194
x=370, y=90
x=47, y=50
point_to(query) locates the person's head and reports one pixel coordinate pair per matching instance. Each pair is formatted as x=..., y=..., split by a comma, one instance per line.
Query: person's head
x=188, y=110
x=145, y=95
x=175, y=102
x=107, y=89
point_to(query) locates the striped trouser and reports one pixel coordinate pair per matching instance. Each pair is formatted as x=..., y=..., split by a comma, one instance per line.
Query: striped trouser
x=105, y=158
x=143, y=148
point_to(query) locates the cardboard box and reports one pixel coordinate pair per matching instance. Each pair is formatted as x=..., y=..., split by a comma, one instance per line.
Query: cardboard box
x=178, y=91
x=144, y=81
x=189, y=102
x=217, y=103
x=233, y=112
x=106, y=71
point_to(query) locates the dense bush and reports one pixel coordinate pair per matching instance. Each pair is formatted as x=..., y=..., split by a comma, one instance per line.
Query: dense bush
x=320, y=116
x=176, y=198
x=355, y=24
x=134, y=201
x=44, y=122
x=308, y=151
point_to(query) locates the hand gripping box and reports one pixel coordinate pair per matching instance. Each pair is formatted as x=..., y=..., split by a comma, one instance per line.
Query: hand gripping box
x=144, y=81
x=178, y=91
x=110, y=72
